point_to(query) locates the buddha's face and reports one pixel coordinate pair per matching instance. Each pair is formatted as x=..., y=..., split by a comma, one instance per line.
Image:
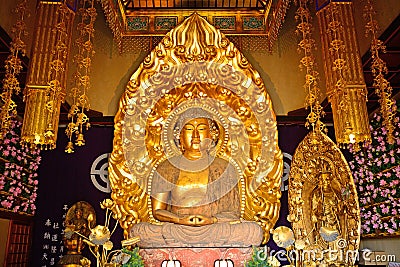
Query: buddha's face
x=78, y=213
x=324, y=182
x=195, y=138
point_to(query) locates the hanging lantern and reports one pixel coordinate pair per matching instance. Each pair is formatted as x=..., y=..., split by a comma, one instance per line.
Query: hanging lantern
x=45, y=88
x=345, y=83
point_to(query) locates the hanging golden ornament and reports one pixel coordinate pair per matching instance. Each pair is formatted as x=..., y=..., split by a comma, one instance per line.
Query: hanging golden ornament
x=13, y=67
x=379, y=69
x=45, y=88
x=346, y=87
x=83, y=59
x=307, y=63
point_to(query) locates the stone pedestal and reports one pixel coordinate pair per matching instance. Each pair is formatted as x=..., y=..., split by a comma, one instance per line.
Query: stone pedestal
x=195, y=257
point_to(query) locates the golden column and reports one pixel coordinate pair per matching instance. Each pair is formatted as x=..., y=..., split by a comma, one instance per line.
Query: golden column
x=345, y=83
x=45, y=87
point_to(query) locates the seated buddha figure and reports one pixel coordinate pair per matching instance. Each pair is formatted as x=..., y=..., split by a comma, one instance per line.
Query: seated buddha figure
x=195, y=196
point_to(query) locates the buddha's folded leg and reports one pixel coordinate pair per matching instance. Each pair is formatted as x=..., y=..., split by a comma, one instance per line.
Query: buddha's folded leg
x=241, y=234
x=150, y=235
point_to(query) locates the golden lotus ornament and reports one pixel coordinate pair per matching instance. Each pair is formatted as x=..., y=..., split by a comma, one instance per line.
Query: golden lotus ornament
x=283, y=236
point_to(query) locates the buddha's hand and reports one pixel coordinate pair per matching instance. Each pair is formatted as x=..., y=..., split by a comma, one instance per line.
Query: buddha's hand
x=197, y=220
x=205, y=220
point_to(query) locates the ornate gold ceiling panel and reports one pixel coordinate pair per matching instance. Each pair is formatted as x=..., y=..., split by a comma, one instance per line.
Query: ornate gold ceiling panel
x=133, y=18
x=131, y=5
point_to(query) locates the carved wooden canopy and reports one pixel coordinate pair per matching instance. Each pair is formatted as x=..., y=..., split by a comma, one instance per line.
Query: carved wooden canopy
x=132, y=18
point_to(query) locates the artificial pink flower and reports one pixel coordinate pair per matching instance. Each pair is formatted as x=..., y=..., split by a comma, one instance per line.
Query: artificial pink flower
x=6, y=204
x=385, y=210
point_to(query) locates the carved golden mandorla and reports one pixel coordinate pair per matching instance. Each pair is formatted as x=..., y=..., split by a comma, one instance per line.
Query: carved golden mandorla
x=317, y=157
x=195, y=66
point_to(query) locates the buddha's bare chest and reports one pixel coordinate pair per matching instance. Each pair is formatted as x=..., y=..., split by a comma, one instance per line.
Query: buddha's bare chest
x=191, y=188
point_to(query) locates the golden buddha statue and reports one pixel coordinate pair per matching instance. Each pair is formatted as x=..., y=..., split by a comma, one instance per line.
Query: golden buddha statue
x=80, y=218
x=170, y=193
x=326, y=208
x=196, y=195
x=323, y=203
x=78, y=224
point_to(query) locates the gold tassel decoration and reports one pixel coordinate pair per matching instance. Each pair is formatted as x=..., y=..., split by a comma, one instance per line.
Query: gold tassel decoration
x=45, y=88
x=345, y=83
x=307, y=63
x=379, y=69
x=13, y=67
x=83, y=60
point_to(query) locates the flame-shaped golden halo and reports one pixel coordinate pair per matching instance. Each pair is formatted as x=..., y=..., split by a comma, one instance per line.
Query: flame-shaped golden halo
x=316, y=154
x=196, y=65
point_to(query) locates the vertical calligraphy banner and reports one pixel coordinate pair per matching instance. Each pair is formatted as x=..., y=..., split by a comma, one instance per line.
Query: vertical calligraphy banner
x=65, y=179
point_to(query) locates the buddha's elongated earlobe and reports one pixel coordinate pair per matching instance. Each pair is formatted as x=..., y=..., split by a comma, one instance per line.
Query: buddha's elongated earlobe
x=214, y=130
x=181, y=147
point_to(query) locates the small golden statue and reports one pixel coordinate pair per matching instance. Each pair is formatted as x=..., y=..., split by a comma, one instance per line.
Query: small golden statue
x=323, y=204
x=80, y=218
x=327, y=207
